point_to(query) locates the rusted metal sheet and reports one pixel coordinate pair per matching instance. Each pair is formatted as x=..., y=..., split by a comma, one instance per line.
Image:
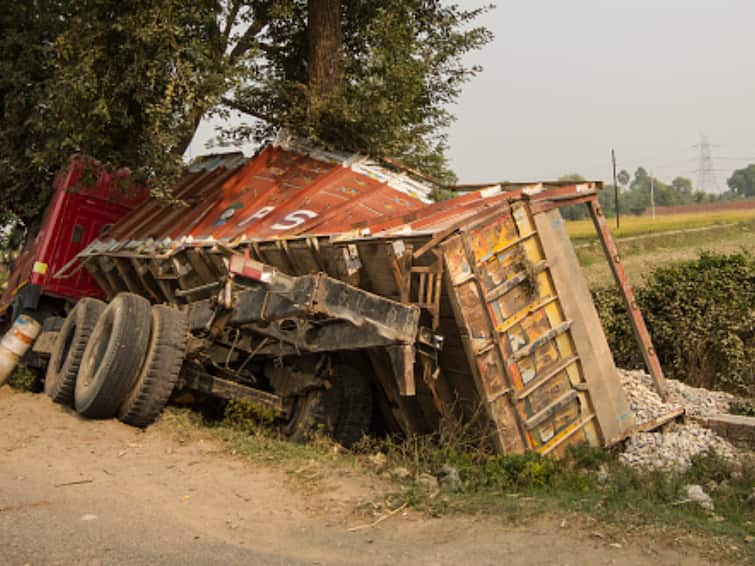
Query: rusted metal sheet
x=462, y=306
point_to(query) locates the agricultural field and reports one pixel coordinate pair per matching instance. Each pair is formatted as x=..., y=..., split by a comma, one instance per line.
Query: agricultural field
x=645, y=243
x=583, y=230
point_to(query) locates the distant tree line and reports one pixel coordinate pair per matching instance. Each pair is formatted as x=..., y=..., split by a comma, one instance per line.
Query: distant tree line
x=634, y=192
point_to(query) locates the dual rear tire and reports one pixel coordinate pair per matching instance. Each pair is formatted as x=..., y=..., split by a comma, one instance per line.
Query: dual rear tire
x=121, y=359
x=113, y=356
x=68, y=351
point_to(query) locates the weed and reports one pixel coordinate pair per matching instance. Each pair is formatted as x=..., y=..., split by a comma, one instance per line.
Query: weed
x=247, y=416
x=585, y=480
x=26, y=379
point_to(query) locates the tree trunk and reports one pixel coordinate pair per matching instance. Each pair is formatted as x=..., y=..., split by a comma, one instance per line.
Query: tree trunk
x=325, y=42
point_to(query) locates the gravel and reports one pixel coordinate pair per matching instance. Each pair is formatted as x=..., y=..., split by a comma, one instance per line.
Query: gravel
x=697, y=401
x=674, y=446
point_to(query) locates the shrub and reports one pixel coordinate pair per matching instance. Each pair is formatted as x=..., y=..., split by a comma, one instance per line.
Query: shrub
x=701, y=316
x=26, y=379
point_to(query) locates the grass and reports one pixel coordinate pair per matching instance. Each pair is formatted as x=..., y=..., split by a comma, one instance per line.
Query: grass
x=583, y=230
x=589, y=483
x=252, y=439
x=642, y=254
x=593, y=483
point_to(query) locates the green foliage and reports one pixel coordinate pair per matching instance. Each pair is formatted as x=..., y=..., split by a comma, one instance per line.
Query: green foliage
x=585, y=479
x=246, y=416
x=701, y=319
x=128, y=83
x=742, y=181
x=623, y=178
x=744, y=407
x=124, y=82
x=575, y=211
x=402, y=64
x=634, y=197
x=26, y=379
x=27, y=30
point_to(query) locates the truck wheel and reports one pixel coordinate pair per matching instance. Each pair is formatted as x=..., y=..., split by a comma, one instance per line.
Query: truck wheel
x=162, y=365
x=353, y=396
x=113, y=356
x=344, y=411
x=65, y=359
x=310, y=416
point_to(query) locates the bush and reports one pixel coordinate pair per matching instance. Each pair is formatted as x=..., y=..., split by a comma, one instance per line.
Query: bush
x=701, y=316
x=26, y=379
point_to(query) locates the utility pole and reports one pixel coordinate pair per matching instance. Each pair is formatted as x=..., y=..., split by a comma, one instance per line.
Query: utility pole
x=652, y=196
x=615, y=187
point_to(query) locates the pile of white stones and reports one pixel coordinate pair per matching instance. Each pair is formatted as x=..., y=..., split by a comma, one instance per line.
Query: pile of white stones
x=676, y=444
x=697, y=401
x=674, y=448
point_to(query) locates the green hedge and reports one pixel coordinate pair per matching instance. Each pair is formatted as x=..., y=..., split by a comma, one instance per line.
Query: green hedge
x=701, y=316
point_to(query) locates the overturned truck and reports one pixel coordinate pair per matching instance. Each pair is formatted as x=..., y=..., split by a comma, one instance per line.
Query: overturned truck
x=327, y=290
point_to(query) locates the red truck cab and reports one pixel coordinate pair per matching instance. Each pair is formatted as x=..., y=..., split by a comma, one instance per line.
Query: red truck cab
x=88, y=198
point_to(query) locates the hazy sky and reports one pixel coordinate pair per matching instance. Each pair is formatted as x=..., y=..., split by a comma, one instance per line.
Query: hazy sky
x=564, y=81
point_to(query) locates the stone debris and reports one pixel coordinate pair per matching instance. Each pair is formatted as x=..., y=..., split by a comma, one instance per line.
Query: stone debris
x=673, y=448
x=696, y=494
x=698, y=402
x=676, y=444
x=643, y=400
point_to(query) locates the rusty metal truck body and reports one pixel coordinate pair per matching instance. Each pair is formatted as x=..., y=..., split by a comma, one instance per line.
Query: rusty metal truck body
x=298, y=260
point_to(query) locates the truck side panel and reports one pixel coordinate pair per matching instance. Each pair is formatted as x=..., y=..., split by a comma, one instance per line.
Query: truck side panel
x=538, y=357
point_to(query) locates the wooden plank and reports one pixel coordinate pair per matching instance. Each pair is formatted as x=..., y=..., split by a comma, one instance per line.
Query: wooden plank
x=609, y=402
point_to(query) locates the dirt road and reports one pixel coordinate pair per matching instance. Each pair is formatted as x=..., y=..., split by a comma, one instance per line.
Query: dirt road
x=84, y=492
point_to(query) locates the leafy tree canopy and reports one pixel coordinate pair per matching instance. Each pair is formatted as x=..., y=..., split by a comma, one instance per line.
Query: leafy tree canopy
x=623, y=177
x=636, y=199
x=742, y=181
x=128, y=82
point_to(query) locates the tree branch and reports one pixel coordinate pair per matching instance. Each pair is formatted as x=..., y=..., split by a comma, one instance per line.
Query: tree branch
x=244, y=109
x=232, y=13
x=246, y=41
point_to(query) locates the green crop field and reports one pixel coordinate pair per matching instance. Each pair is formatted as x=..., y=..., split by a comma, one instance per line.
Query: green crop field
x=581, y=230
x=645, y=244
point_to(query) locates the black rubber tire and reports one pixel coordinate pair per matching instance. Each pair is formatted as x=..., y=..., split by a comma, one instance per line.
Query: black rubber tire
x=65, y=359
x=353, y=393
x=310, y=416
x=113, y=356
x=344, y=411
x=161, y=368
